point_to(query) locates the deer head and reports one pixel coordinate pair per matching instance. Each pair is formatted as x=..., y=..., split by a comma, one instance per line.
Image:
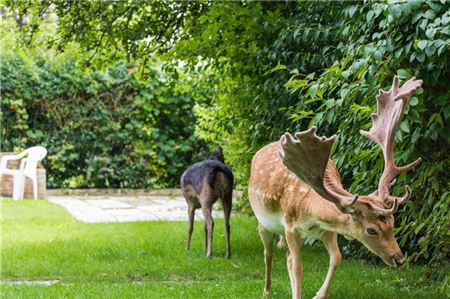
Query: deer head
x=371, y=216
x=216, y=155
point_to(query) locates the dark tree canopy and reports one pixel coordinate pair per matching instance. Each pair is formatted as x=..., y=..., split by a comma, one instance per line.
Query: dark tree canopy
x=111, y=29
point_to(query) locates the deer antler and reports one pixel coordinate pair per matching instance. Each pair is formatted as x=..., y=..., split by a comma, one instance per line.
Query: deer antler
x=384, y=125
x=307, y=156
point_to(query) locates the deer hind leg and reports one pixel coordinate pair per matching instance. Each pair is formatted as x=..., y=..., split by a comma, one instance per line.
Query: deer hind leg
x=267, y=239
x=209, y=227
x=295, y=243
x=227, y=212
x=191, y=214
x=330, y=241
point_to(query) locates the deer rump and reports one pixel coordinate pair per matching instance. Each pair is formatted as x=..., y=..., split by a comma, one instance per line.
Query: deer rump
x=209, y=176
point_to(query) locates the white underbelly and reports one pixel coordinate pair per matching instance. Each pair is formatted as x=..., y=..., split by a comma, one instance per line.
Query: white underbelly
x=273, y=222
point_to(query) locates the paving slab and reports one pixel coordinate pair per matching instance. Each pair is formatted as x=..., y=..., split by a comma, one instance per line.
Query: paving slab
x=97, y=209
x=108, y=204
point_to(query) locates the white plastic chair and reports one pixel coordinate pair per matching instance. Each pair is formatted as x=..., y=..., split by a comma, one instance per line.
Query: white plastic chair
x=28, y=168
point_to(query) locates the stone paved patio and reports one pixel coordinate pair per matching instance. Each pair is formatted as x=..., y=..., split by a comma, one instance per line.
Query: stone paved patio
x=94, y=209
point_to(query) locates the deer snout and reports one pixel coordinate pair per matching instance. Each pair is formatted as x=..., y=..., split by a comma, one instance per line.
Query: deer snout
x=398, y=259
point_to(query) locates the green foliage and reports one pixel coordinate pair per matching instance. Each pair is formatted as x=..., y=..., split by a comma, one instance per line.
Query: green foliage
x=114, y=128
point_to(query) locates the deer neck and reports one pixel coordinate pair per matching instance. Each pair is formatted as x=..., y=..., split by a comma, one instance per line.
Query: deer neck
x=330, y=218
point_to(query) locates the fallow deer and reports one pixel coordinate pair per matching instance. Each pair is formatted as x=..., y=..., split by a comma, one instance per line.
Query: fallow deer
x=295, y=190
x=202, y=184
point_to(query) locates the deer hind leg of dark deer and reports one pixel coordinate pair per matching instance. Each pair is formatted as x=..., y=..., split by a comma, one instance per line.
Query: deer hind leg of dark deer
x=295, y=243
x=329, y=239
x=209, y=227
x=267, y=239
x=226, y=202
x=191, y=214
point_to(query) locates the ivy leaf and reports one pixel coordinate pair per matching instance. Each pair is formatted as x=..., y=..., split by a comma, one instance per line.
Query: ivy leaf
x=370, y=15
x=422, y=44
x=430, y=14
x=295, y=84
x=352, y=10
x=414, y=115
x=404, y=127
x=312, y=91
x=436, y=117
x=278, y=67
x=420, y=57
x=316, y=120
x=447, y=112
x=404, y=74
x=414, y=101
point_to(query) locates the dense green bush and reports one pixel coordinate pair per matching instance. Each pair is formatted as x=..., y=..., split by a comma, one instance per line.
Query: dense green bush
x=112, y=128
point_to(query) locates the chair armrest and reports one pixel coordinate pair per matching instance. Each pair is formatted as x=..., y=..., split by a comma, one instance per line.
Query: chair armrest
x=4, y=160
x=14, y=157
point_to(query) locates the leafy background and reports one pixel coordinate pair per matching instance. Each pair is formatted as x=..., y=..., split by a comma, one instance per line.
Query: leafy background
x=237, y=74
x=118, y=127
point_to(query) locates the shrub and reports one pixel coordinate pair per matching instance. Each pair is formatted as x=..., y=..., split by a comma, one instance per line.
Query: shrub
x=112, y=128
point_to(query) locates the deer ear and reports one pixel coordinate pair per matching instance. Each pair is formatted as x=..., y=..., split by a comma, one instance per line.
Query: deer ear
x=353, y=211
x=219, y=149
x=360, y=209
x=204, y=153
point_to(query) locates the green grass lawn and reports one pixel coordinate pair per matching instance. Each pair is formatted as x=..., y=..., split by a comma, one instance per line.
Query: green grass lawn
x=41, y=241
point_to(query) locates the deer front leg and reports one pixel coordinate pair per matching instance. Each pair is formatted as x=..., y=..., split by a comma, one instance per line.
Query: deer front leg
x=267, y=239
x=209, y=227
x=294, y=243
x=330, y=241
x=289, y=268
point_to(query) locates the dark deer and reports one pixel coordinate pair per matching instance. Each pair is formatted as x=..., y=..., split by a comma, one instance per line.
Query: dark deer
x=202, y=185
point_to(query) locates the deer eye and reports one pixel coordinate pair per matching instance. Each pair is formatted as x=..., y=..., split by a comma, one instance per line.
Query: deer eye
x=372, y=232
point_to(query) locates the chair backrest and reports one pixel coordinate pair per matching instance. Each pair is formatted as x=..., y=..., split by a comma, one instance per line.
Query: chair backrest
x=33, y=156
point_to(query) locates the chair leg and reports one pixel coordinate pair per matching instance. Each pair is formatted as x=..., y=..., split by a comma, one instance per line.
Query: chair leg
x=22, y=186
x=35, y=187
x=18, y=186
x=15, y=193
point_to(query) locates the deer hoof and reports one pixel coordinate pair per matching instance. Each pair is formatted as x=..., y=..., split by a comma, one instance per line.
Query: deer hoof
x=320, y=296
